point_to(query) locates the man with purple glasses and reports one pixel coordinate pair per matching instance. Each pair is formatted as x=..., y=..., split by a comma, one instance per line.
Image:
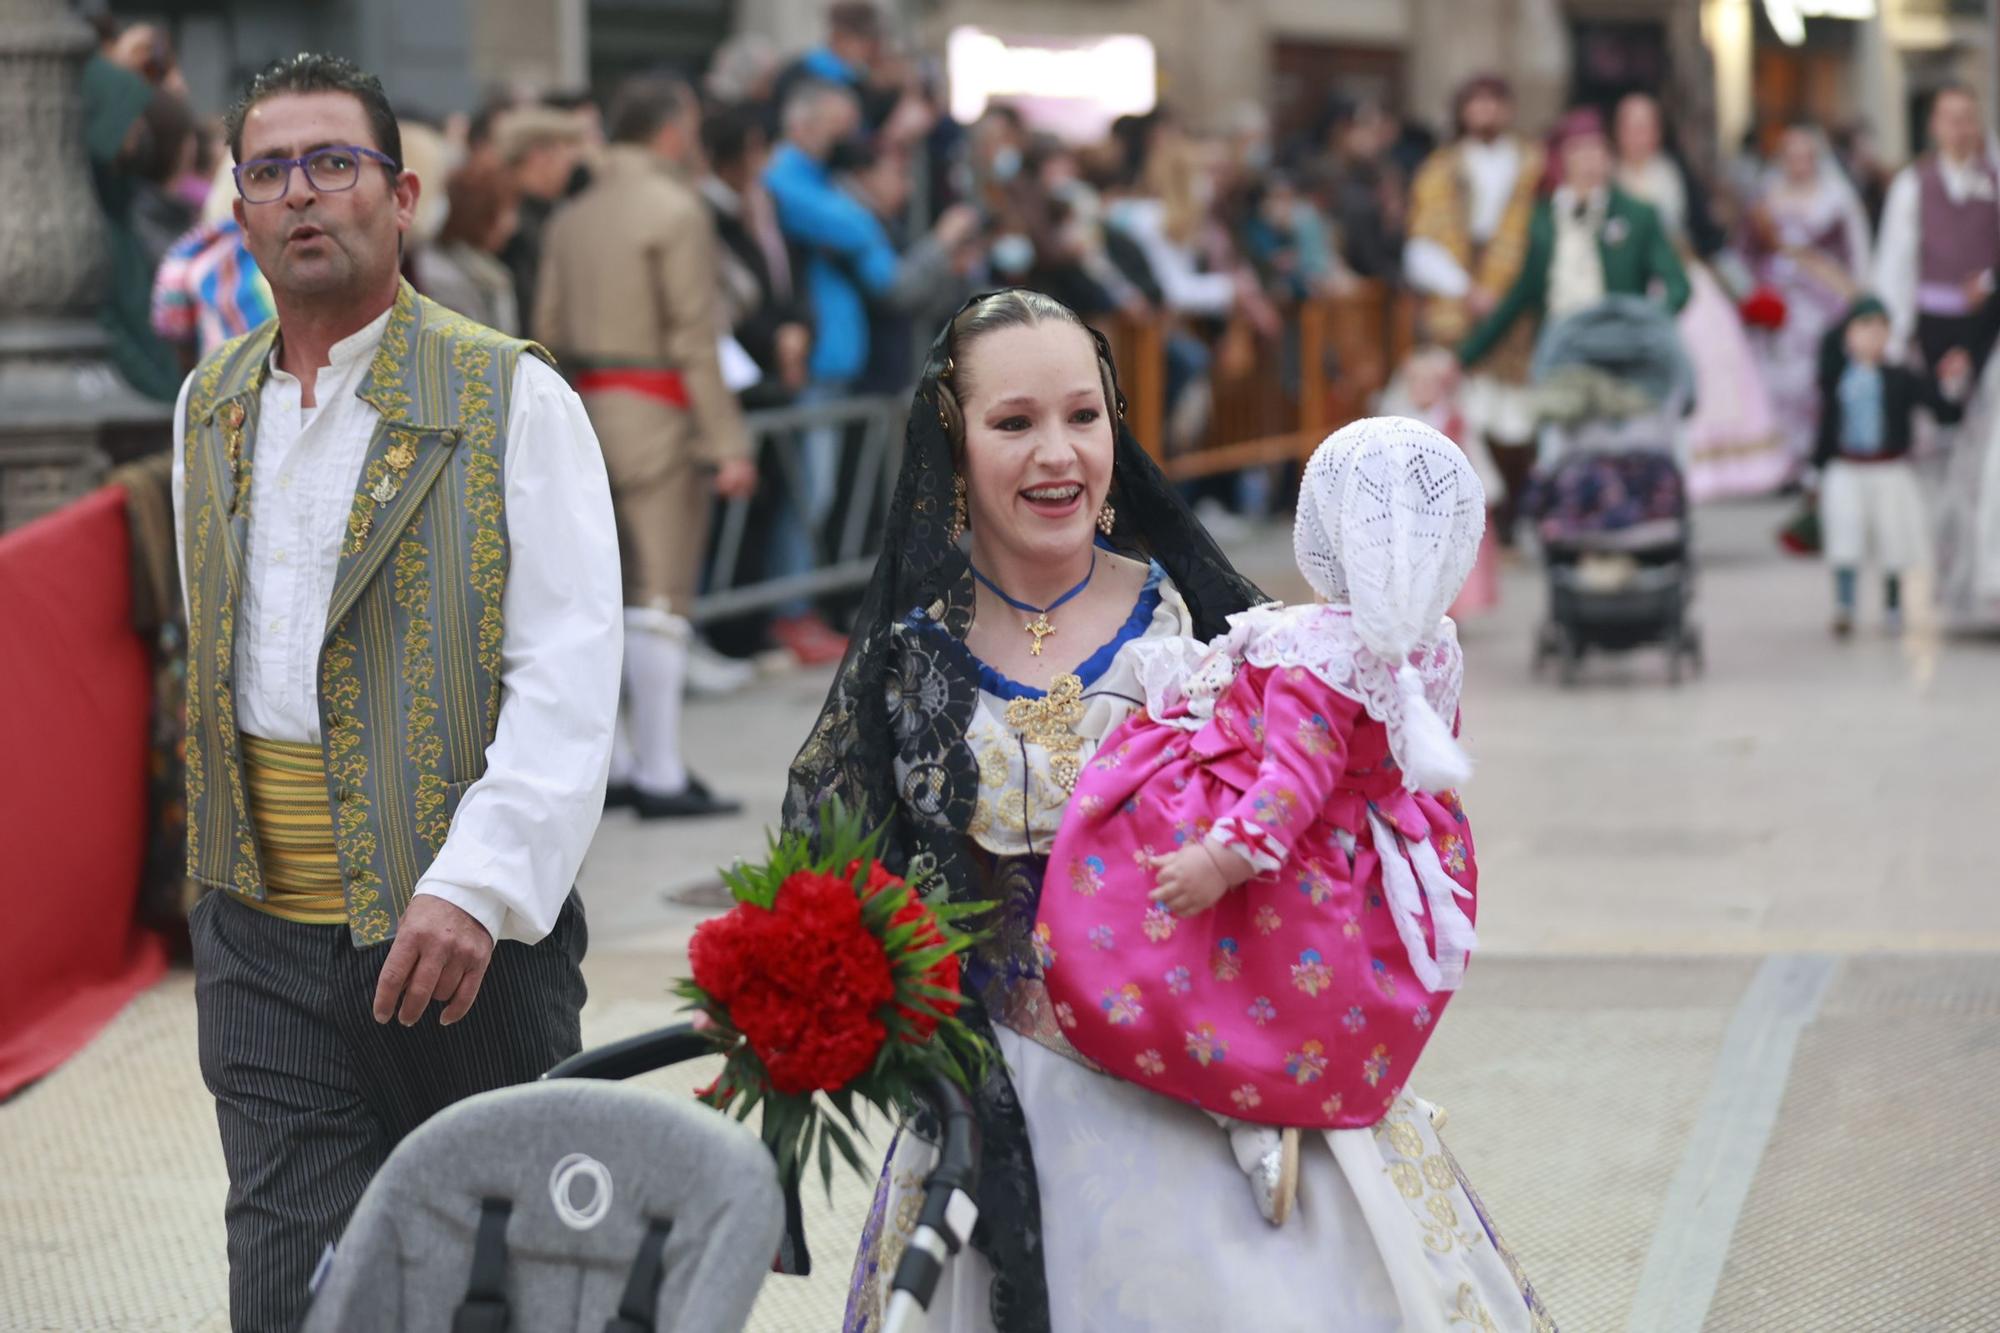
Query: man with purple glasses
x=403, y=637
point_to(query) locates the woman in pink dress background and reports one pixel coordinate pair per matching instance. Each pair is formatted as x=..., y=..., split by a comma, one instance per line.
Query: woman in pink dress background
x=1260, y=898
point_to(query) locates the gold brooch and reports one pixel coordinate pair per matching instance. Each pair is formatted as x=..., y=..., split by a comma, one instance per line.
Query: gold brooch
x=1050, y=722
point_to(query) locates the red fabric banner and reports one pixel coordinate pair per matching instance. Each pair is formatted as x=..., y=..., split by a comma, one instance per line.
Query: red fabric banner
x=75, y=698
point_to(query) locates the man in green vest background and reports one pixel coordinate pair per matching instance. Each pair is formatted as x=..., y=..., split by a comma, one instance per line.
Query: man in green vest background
x=403, y=603
x=1587, y=240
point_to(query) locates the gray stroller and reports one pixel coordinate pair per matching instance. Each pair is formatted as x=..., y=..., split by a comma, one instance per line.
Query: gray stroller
x=1607, y=501
x=574, y=1204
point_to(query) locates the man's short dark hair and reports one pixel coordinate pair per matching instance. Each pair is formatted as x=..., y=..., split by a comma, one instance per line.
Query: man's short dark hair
x=855, y=18
x=644, y=103
x=726, y=135
x=479, y=130
x=572, y=100
x=311, y=72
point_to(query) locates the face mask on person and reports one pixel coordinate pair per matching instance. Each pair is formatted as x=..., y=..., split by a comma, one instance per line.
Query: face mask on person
x=1006, y=163
x=1012, y=253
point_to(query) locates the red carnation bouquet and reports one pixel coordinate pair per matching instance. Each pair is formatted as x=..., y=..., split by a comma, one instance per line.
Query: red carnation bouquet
x=831, y=979
x=1764, y=308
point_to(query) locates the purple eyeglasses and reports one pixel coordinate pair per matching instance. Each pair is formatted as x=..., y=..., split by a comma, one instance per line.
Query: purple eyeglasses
x=329, y=170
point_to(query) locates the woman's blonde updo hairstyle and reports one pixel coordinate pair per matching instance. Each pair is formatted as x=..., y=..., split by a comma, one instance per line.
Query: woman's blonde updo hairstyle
x=1016, y=307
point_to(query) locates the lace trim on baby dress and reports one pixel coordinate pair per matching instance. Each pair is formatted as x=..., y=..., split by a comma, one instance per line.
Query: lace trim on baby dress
x=1322, y=639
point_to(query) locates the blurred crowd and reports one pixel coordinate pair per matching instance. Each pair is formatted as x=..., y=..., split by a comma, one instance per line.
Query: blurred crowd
x=849, y=214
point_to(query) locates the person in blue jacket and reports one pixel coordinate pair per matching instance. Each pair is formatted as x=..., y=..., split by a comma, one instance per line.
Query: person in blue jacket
x=854, y=48
x=850, y=261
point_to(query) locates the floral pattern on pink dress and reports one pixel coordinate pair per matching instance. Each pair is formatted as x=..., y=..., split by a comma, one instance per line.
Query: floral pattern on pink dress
x=1292, y=1000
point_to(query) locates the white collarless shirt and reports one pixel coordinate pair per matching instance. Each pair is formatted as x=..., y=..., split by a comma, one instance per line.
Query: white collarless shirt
x=1490, y=172
x=1576, y=270
x=520, y=832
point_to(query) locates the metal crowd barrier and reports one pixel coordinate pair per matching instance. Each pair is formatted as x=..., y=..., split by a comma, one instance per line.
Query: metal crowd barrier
x=870, y=431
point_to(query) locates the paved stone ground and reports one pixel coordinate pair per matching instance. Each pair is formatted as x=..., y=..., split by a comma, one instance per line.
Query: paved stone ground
x=1721, y=1064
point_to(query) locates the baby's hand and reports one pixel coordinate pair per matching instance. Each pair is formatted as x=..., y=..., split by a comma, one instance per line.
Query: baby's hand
x=1193, y=879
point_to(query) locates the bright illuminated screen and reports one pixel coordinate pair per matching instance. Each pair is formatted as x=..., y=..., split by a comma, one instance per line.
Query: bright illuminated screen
x=1788, y=17
x=1073, y=86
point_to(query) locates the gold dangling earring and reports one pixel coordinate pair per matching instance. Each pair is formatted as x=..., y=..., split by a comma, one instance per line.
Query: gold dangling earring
x=1107, y=518
x=960, y=519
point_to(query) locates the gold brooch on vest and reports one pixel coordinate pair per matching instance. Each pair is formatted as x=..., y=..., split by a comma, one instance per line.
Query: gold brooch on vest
x=402, y=455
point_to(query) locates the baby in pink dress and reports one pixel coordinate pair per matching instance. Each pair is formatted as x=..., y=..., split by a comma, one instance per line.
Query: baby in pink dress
x=1261, y=896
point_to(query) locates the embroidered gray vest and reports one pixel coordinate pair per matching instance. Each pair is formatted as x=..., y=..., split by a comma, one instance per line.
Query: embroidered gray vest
x=409, y=668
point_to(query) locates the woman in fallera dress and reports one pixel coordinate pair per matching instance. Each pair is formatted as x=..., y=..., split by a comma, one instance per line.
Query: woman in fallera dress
x=1808, y=238
x=1030, y=543
x=1733, y=444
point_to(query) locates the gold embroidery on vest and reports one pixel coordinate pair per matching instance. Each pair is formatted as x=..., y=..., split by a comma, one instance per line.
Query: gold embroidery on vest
x=243, y=872
x=484, y=505
x=212, y=610
x=203, y=529
x=347, y=764
x=425, y=747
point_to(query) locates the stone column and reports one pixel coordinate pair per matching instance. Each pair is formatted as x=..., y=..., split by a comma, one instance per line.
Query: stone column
x=64, y=413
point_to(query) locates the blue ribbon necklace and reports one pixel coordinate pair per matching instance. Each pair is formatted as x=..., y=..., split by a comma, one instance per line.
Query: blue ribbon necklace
x=1039, y=626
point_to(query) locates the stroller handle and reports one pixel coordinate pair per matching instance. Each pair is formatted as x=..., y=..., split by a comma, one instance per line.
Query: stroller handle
x=949, y=1212
x=636, y=1055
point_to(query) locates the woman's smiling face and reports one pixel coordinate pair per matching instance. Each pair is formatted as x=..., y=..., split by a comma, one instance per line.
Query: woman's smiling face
x=1038, y=441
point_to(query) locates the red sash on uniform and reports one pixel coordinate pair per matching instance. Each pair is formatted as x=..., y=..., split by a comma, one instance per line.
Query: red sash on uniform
x=665, y=385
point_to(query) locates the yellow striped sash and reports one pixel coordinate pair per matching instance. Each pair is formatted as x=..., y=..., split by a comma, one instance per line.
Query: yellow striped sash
x=285, y=782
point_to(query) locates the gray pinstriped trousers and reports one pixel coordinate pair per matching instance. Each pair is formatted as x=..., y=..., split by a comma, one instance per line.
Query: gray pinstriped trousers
x=311, y=1092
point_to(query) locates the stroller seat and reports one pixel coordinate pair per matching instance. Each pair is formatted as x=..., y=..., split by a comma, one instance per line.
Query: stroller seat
x=572, y=1204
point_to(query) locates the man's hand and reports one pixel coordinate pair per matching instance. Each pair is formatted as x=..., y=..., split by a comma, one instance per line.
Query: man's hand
x=794, y=342
x=955, y=226
x=440, y=954
x=1978, y=287
x=736, y=479
x=1480, y=302
x=1954, y=372
x=1193, y=879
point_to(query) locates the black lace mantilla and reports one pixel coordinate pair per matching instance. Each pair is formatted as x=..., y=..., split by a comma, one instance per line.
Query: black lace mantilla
x=890, y=742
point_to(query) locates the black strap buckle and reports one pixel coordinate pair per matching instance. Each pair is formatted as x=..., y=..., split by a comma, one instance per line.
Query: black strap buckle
x=484, y=1309
x=642, y=1285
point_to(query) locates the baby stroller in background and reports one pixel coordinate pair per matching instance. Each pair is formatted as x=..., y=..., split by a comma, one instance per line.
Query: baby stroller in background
x=1607, y=501
x=575, y=1205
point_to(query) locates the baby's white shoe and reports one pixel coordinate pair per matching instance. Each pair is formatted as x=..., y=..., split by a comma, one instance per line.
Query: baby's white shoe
x=1270, y=1157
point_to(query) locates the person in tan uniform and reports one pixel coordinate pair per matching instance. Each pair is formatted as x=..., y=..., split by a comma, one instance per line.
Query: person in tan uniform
x=1470, y=205
x=629, y=302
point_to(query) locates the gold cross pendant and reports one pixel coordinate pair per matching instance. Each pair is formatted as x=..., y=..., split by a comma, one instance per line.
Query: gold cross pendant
x=1041, y=629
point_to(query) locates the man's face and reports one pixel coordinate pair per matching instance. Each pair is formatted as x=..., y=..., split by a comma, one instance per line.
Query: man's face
x=546, y=168
x=1955, y=127
x=679, y=139
x=1487, y=115
x=312, y=245
x=843, y=119
x=1638, y=128
x=1586, y=162
x=888, y=184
